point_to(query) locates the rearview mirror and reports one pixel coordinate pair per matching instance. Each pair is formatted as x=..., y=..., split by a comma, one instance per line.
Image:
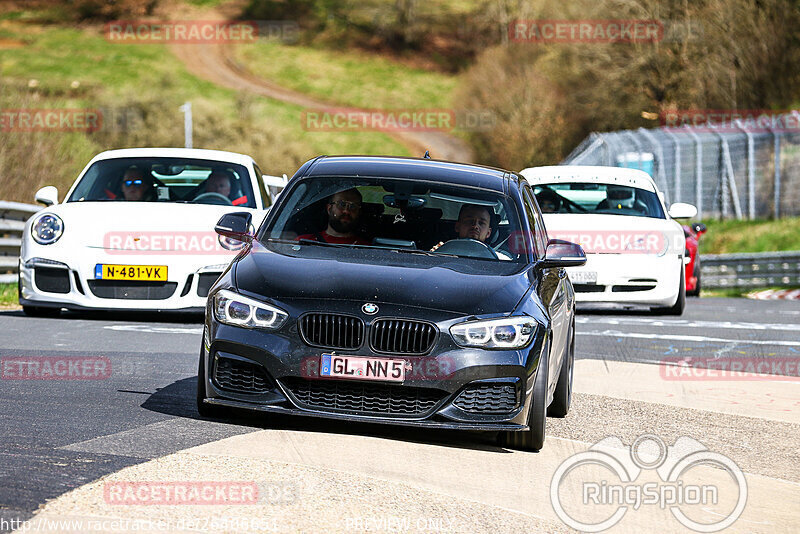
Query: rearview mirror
x=47, y=195
x=680, y=210
x=236, y=226
x=562, y=253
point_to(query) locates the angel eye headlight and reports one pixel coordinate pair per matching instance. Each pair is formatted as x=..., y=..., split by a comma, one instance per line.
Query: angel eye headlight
x=237, y=310
x=47, y=229
x=505, y=333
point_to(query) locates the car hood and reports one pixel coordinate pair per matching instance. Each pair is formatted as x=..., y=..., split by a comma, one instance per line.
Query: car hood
x=114, y=225
x=280, y=276
x=610, y=234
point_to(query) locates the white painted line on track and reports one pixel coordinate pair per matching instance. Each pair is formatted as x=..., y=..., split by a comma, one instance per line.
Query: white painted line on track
x=683, y=323
x=697, y=339
x=146, y=329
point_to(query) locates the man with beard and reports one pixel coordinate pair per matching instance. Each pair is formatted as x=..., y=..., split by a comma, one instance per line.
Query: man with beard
x=344, y=210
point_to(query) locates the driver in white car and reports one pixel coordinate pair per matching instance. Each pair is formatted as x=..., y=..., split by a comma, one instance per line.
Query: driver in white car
x=219, y=182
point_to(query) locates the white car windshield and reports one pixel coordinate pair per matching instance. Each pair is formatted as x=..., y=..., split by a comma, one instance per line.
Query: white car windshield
x=579, y=197
x=166, y=180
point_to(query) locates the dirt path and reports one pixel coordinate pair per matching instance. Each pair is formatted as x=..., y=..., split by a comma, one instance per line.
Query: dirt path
x=216, y=63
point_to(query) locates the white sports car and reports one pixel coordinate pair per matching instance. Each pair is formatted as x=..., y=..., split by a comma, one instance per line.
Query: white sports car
x=634, y=249
x=136, y=231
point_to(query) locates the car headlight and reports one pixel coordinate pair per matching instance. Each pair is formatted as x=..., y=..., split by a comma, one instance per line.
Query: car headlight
x=47, y=229
x=237, y=310
x=505, y=333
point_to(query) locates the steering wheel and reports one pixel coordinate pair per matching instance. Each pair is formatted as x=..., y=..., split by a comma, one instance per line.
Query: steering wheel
x=212, y=198
x=468, y=247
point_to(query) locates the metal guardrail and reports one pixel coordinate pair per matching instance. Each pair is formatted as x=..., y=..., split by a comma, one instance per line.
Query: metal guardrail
x=765, y=269
x=12, y=222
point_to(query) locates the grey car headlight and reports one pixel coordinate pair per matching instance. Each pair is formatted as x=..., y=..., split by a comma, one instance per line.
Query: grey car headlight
x=237, y=310
x=505, y=333
x=47, y=229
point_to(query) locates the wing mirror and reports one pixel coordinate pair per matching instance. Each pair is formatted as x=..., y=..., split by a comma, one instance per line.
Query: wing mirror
x=562, y=253
x=680, y=210
x=235, y=226
x=699, y=228
x=47, y=195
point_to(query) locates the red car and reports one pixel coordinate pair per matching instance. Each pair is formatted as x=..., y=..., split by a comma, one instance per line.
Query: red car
x=693, y=234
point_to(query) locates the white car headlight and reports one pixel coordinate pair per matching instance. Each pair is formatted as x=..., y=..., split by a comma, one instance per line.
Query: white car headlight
x=237, y=310
x=47, y=229
x=505, y=333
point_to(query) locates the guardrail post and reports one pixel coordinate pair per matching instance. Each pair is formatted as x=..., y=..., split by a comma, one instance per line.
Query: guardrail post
x=777, y=180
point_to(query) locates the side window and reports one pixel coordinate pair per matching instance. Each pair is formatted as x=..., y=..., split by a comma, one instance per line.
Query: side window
x=536, y=222
x=265, y=197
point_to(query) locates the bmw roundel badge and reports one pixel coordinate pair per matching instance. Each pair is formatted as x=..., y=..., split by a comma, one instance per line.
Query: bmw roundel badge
x=369, y=308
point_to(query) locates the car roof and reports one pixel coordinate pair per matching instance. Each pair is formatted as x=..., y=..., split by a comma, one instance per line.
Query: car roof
x=195, y=153
x=399, y=167
x=555, y=174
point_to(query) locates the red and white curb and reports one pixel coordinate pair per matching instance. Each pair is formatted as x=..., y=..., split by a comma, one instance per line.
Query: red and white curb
x=775, y=294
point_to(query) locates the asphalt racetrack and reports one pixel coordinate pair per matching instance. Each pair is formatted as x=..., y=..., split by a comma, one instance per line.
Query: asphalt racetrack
x=128, y=417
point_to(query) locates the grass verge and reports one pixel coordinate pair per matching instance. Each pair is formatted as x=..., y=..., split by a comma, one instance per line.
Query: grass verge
x=729, y=237
x=8, y=296
x=347, y=77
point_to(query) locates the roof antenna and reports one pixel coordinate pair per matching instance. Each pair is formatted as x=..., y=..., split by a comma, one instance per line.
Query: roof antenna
x=427, y=155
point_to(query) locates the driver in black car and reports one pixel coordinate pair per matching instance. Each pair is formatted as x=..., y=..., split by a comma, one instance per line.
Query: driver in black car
x=474, y=222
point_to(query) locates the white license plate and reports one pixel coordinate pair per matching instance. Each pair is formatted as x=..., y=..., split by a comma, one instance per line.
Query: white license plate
x=358, y=368
x=583, y=277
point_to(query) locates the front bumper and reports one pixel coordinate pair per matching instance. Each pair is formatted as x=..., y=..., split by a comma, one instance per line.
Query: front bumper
x=287, y=369
x=636, y=279
x=69, y=282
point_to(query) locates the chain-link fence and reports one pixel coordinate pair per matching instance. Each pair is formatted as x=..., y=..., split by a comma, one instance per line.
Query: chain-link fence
x=734, y=171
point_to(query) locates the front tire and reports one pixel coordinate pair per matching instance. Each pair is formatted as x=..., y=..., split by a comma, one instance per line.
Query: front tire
x=533, y=438
x=562, y=396
x=696, y=273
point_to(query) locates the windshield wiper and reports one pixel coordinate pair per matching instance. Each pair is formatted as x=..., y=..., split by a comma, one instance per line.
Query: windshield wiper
x=322, y=243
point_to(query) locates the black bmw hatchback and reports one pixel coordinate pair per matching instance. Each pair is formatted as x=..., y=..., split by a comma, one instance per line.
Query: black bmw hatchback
x=396, y=290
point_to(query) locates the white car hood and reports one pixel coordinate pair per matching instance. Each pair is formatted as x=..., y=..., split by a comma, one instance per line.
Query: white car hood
x=113, y=224
x=616, y=234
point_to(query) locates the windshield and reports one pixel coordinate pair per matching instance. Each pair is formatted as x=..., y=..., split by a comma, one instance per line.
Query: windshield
x=166, y=180
x=598, y=198
x=413, y=216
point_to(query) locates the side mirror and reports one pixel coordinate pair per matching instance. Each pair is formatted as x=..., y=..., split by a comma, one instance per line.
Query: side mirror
x=562, y=253
x=680, y=210
x=235, y=226
x=699, y=228
x=47, y=195
x=275, y=181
